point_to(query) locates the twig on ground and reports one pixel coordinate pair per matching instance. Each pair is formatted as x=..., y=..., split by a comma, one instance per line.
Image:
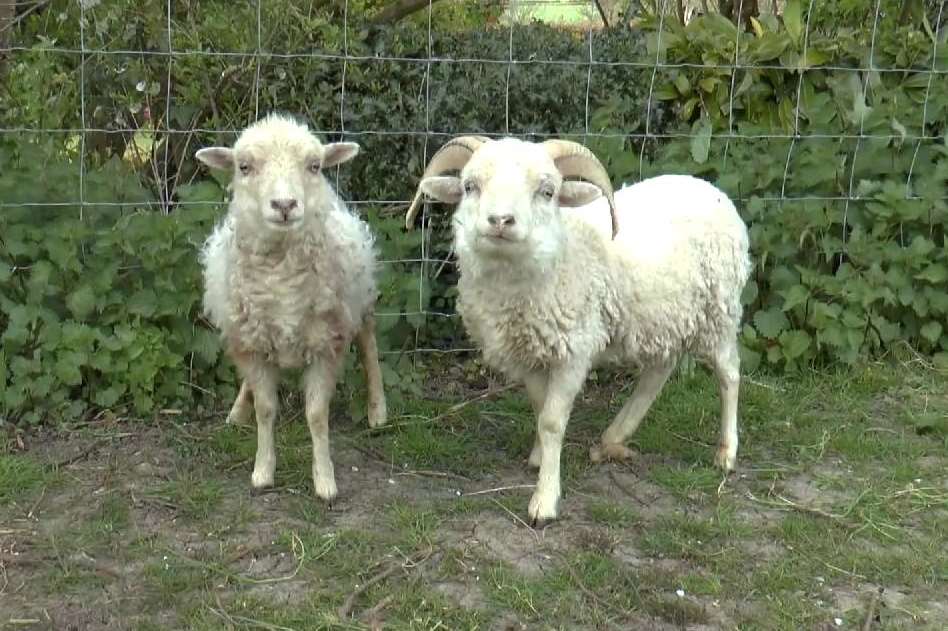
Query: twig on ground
x=82, y=454
x=623, y=488
x=36, y=504
x=789, y=504
x=371, y=615
x=499, y=489
x=434, y=474
x=871, y=614
x=243, y=621
x=842, y=571
x=591, y=594
x=536, y=535
x=346, y=608
x=688, y=440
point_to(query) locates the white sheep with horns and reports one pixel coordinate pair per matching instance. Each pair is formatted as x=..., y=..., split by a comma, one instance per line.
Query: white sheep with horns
x=289, y=281
x=548, y=289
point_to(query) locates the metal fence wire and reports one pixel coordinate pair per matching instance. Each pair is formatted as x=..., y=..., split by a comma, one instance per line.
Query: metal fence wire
x=584, y=17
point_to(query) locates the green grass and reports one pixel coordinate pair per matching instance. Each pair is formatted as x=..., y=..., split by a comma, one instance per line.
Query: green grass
x=20, y=477
x=841, y=487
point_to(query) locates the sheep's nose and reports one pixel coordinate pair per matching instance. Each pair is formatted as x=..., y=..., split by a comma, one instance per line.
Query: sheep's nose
x=283, y=205
x=502, y=221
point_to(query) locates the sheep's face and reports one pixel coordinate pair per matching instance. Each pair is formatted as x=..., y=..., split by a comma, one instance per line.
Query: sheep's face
x=278, y=171
x=509, y=195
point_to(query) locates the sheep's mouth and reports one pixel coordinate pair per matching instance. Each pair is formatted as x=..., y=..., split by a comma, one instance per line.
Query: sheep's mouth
x=284, y=224
x=498, y=237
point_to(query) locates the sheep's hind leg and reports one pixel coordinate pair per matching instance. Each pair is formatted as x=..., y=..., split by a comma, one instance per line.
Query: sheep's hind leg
x=243, y=406
x=320, y=383
x=727, y=367
x=262, y=379
x=536, y=384
x=647, y=387
x=369, y=352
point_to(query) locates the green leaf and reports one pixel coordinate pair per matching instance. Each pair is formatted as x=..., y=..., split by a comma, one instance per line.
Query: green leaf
x=935, y=274
x=81, y=302
x=701, y=140
x=143, y=303
x=793, y=20
x=107, y=397
x=682, y=84
x=771, y=322
x=67, y=367
x=931, y=331
x=794, y=343
x=207, y=345
x=796, y=295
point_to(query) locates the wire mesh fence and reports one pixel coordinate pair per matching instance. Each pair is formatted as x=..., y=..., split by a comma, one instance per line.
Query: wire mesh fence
x=148, y=85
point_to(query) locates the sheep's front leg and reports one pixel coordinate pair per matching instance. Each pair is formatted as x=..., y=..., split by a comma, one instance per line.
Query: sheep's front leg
x=563, y=386
x=262, y=379
x=727, y=368
x=320, y=383
x=649, y=383
x=243, y=405
x=369, y=352
x=536, y=384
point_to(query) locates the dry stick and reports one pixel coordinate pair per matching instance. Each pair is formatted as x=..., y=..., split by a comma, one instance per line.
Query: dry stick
x=592, y=595
x=82, y=454
x=623, y=488
x=434, y=474
x=872, y=609
x=346, y=608
x=463, y=404
x=536, y=535
x=499, y=489
x=372, y=613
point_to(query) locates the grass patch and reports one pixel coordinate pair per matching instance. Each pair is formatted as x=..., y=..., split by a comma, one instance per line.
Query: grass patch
x=848, y=450
x=195, y=496
x=611, y=514
x=20, y=476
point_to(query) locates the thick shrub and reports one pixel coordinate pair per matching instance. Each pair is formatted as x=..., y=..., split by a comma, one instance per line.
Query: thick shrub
x=845, y=195
x=99, y=301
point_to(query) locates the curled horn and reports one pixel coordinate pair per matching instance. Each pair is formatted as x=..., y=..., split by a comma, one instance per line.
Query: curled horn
x=454, y=154
x=572, y=158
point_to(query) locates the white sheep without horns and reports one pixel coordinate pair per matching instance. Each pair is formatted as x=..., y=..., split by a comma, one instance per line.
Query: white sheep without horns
x=548, y=293
x=289, y=281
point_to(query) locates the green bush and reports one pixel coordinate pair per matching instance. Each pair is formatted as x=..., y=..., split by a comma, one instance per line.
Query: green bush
x=845, y=197
x=99, y=302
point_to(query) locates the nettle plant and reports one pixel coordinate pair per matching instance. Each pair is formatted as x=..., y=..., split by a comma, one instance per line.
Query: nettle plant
x=841, y=174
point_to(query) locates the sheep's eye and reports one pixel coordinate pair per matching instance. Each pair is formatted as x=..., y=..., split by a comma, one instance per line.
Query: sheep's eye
x=469, y=187
x=546, y=191
x=244, y=168
x=314, y=166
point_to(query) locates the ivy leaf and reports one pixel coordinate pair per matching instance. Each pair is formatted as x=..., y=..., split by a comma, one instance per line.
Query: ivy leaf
x=771, y=322
x=701, y=141
x=794, y=343
x=931, y=331
x=81, y=302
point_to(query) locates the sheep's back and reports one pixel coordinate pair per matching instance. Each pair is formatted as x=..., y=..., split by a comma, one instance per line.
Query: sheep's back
x=683, y=254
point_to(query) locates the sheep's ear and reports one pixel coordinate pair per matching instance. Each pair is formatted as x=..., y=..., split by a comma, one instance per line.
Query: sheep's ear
x=217, y=157
x=578, y=193
x=443, y=188
x=338, y=152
